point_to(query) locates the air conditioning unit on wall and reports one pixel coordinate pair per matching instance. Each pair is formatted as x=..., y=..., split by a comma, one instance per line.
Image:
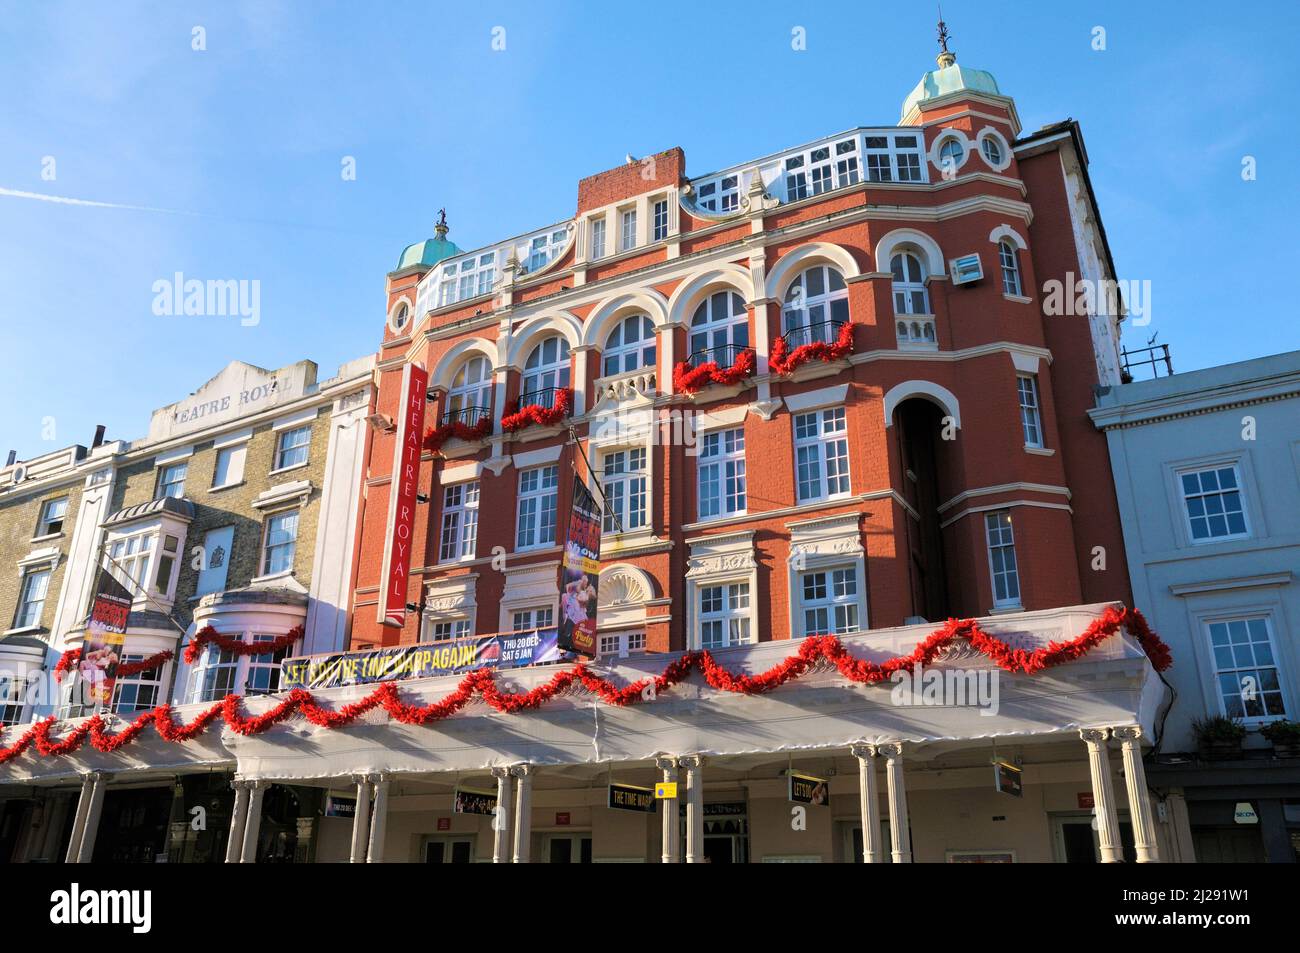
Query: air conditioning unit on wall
x=966, y=270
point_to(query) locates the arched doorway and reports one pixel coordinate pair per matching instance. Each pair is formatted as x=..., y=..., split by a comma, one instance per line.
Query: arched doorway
x=920, y=427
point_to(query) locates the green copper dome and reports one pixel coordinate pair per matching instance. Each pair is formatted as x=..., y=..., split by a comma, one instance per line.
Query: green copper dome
x=950, y=79
x=428, y=252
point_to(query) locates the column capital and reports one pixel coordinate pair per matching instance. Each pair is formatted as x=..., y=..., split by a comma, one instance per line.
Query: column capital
x=523, y=770
x=97, y=776
x=862, y=751
x=691, y=762
x=501, y=771
x=893, y=750
x=1128, y=734
x=1094, y=736
x=666, y=763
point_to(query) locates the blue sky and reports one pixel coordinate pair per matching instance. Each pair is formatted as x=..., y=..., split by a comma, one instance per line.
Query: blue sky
x=248, y=138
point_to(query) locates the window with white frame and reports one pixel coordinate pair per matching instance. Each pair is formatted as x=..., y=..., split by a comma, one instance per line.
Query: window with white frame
x=536, y=617
x=829, y=600
x=459, y=538
x=820, y=169
x=719, y=328
x=630, y=346
x=719, y=195
x=821, y=451
x=724, y=615
x=538, y=499
x=624, y=485
x=470, y=395
x=816, y=306
x=992, y=150
x=1009, y=259
x=1245, y=668
x=910, y=293
x=619, y=644
x=13, y=692
x=229, y=467
x=721, y=469
x=627, y=229
x=215, y=676
x=597, y=238
x=263, y=672
x=1213, y=503
x=292, y=446
x=171, y=480
x=130, y=558
x=221, y=672
x=1031, y=423
x=660, y=220
x=467, y=278
x=167, y=556
x=547, y=368
x=281, y=542
x=34, y=588
x=445, y=630
x=53, y=513
x=1002, y=559
x=951, y=155
x=139, y=692
x=893, y=157
x=543, y=249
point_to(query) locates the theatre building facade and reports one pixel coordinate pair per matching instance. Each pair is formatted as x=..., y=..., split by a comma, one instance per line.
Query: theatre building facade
x=823, y=407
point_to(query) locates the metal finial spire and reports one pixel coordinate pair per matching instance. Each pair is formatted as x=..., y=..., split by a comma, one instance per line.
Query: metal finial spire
x=441, y=227
x=946, y=57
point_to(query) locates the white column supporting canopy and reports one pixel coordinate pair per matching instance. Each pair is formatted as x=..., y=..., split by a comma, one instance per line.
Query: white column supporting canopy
x=899, y=833
x=1103, y=795
x=378, y=820
x=1139, y=796
x=79, y=821
x=671, y=837
x=86, y=849
x=253, y=827
x=238, y=819
x=523, y=812
x=873, y=850
x=694, y=766
x=361, y=821
x=501, y=819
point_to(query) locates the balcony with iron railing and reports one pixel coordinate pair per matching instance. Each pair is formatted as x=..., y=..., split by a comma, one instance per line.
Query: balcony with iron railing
x=724, y=355
x=815, y=332
x=544, y=397
x=468, y=416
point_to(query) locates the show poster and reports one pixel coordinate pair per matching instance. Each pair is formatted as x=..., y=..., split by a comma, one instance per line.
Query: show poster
x=470, y=801
x=101, y=648
x=580, y=573
x=426, y=660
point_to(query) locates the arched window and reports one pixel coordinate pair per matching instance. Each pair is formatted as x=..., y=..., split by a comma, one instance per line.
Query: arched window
x=546, y=369
x=992, y=150
x=951, y=154
x=910, y=294
x=1009, y=258
x=816, y=306
x=630, y=346
x=470, y=397
x=719, y=329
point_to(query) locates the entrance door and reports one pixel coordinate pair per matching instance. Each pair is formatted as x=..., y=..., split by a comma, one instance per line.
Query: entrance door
x=133, y=826
x=1228, y=845
x=1076, y=841
x=567, y=848
x=449, y=850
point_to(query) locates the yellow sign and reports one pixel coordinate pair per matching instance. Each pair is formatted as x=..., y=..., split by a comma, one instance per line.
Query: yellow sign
x=666, y=790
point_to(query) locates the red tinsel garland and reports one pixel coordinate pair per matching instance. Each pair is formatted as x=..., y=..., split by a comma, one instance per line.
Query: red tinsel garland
x=517, y=418
x=237, y=646
x=688, y=380
x=782, y=361
x=482, y=682
x=435, y=437
x=124, y=669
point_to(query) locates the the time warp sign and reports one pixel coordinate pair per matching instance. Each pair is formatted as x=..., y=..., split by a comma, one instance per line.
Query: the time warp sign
x=401, y=500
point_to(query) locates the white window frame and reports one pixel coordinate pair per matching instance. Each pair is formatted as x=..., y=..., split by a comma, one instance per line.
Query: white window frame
x=541, y=374
x=730, y=329
x=720, y=194
x=1218, y=670
x=1183, y=500
x=214, y=658
x=447, y=630
x=1031, y=416
x=140, y=682
x=721, y=461
x=626, y=229
x=611, y=645
x=172, y=476
x=734, y=613
x=458, y=527
x=1009, y=260
x=28, y=612
x=624, y=482
x=132, y=560
x=532, y=618
x=643, y=350
x=265, y=554
x=833, y=598
x=904, y=163
x=543, y=249
x=287, y=444
x=826, y=448
x=1001, y=538
x=464, y=393
x=659, y=220
x=598, y=230
x=908, y=287
x=46, y=517
x=236, y=455
x=469, y=277
x=539, y=493
x=831, y=305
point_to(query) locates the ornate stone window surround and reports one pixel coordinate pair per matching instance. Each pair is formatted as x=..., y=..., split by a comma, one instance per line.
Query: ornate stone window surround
x=717, y=560
x=827, y=542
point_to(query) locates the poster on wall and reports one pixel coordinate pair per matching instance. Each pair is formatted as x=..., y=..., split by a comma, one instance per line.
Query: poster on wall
x=101, y=648
x=426, y=660
x=580, y=573
x=469, y=801
x=407, y=445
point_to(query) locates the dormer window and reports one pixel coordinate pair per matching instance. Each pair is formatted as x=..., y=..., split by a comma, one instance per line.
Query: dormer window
x=543, y=249
x=467, y=278
x=719, y=195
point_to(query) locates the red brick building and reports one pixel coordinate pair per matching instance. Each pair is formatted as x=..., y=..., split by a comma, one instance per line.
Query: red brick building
x=944, y=466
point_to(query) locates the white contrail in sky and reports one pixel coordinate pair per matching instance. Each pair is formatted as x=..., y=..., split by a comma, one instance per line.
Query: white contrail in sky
x=64, y=200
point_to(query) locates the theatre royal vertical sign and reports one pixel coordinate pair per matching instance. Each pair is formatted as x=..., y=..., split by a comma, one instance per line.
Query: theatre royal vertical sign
x=401, y=499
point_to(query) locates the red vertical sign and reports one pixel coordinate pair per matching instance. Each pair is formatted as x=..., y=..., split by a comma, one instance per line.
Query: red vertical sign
x=401, y=500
